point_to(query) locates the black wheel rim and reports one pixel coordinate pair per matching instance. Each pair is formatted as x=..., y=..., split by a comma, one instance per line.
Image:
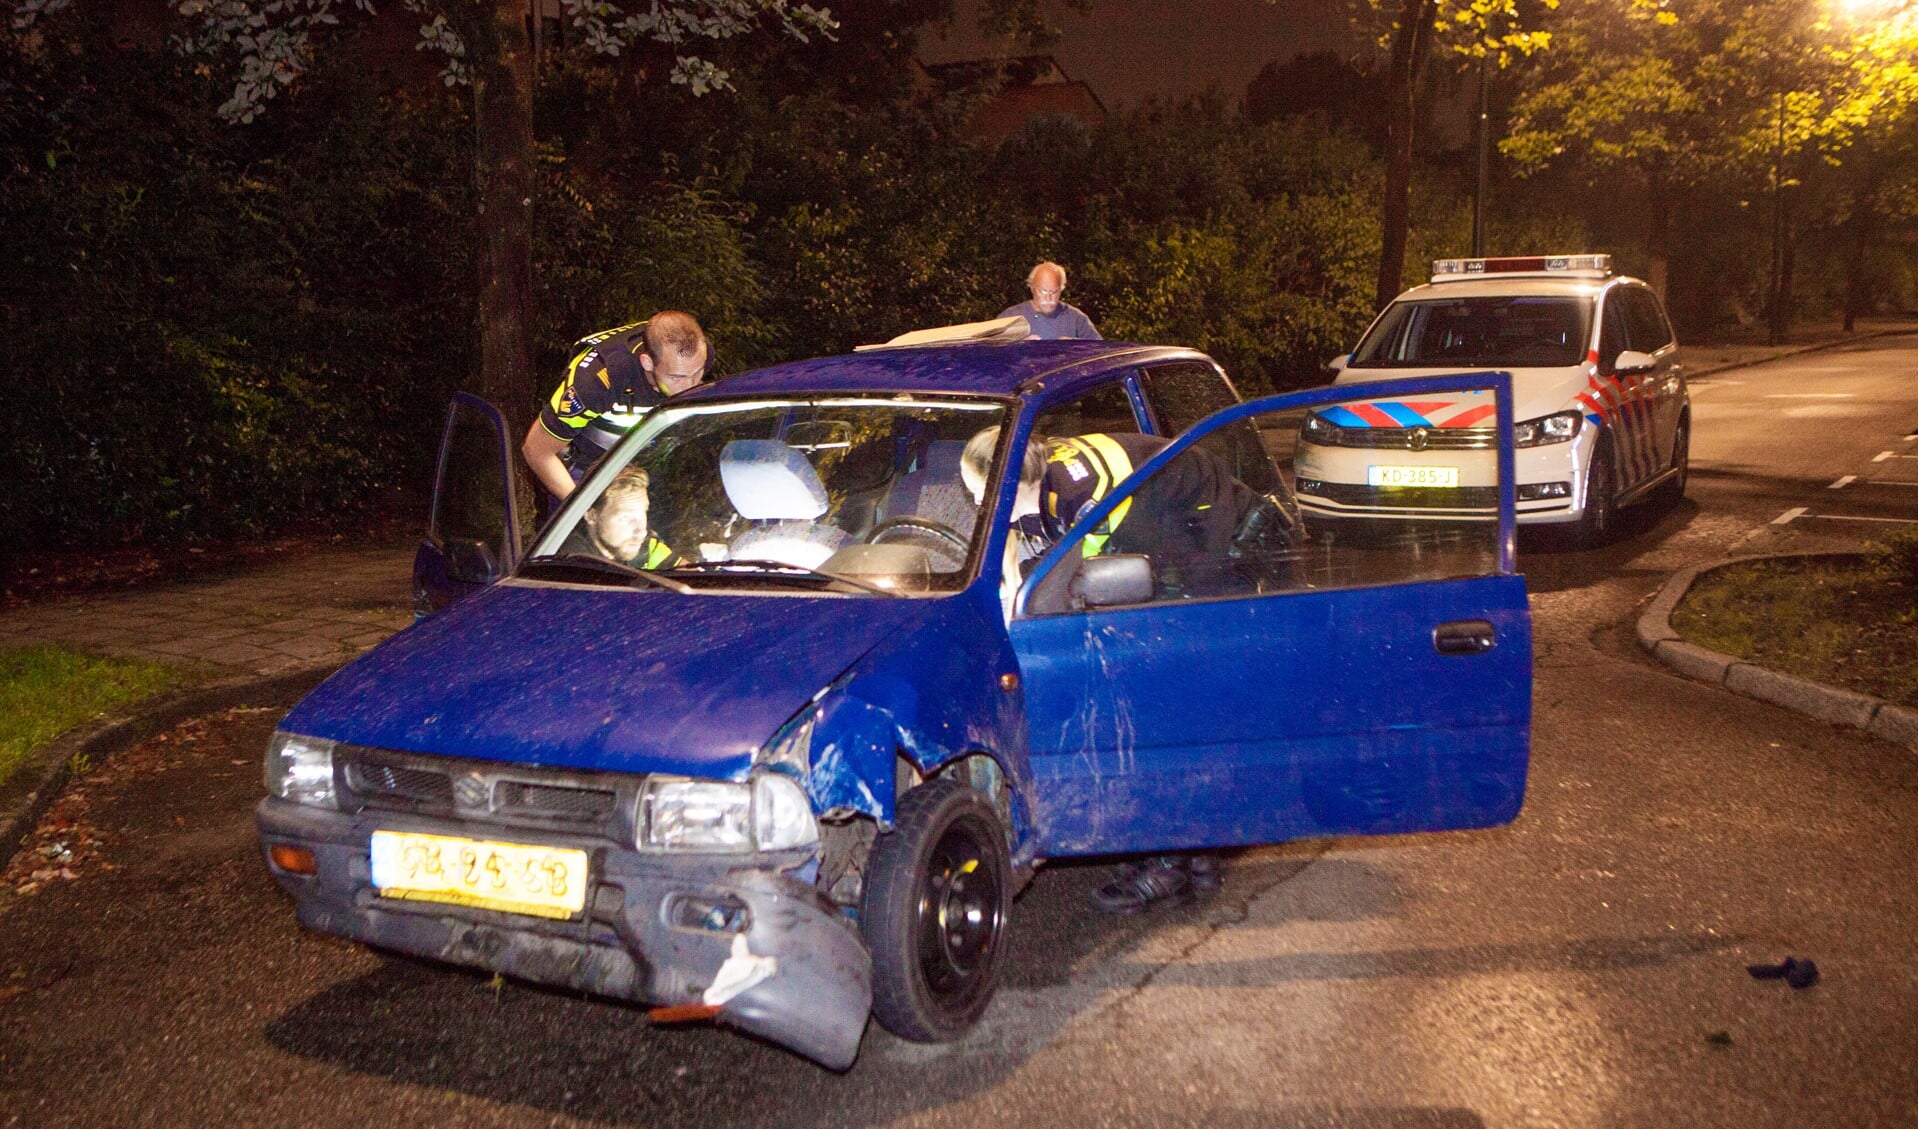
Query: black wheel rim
x=960, y=911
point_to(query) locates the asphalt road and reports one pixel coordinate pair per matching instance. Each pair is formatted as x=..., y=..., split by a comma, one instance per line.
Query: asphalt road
x=1585, y=966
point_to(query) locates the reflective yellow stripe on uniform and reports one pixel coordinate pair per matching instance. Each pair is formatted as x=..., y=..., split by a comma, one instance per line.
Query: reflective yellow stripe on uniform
x=657, y=553
x=1110, y=466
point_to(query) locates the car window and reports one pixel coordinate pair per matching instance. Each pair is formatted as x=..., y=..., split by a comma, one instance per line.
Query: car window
x=1645, y=324
x=1207, y=536
x=1486, y=332
x=770, y=492
x=470, y=502
x=1612, y=339
x=1186, y=392
x=1104, y=410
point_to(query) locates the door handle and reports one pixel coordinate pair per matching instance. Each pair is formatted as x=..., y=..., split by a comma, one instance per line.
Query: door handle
x=1464, y=637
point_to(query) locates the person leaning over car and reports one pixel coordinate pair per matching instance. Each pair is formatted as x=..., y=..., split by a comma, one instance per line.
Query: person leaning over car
x=1050, y=317
x=612, y=383
x=617, y=526
x=1192, y=509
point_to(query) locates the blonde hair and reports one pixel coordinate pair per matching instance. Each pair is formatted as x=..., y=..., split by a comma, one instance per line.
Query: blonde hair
x=976, y=460
x=626, y=484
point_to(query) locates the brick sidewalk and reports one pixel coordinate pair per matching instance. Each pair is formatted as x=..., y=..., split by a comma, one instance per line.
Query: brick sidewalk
x=325, y=605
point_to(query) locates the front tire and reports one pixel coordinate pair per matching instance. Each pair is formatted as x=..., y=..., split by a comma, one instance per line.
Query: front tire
x=1595, y=524
x=1681, y=463
x=936, y=897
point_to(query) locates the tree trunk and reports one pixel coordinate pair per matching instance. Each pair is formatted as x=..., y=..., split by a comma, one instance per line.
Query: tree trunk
x=1658, y=234
x=503, y=121
x=1411, y=45
x=1864, y=213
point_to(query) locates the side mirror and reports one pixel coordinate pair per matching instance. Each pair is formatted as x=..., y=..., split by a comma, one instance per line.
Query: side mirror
x=1103, y=582
x=1337, y=364
x=1631, y=362
x=471, y=562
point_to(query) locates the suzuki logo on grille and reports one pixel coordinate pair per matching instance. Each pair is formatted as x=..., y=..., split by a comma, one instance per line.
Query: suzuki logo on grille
x=471, y=791
x=1418, y=438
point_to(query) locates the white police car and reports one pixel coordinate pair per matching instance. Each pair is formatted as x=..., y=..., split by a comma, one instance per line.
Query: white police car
x=1604, y=419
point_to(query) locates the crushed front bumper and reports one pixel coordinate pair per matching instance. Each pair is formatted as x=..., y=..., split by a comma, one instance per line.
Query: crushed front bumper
x=623, y=945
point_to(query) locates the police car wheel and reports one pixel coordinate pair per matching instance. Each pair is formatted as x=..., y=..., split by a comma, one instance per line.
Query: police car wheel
x=1681, y=463
x=1595, y=524
x=936, y=896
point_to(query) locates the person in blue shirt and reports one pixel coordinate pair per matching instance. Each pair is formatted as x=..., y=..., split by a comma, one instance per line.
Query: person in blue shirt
x=1048, y=313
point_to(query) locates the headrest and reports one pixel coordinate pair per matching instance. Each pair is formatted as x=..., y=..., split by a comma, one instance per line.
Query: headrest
x=766, y=480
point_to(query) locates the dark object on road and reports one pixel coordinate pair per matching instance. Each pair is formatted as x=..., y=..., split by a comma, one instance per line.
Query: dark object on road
x=1719, y=1038
x=1798, y=973
x=1161, y=878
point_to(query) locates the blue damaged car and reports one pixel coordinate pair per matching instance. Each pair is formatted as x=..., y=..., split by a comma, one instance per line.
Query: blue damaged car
x=776, y=714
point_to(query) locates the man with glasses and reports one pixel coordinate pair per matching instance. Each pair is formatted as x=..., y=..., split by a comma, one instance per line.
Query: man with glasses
x=1048, y=313
x=617, y=376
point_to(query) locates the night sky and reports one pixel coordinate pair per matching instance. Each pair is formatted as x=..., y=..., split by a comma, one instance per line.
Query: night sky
x=1129, y=50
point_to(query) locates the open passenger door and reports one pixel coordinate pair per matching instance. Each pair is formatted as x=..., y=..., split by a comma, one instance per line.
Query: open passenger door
x=474, y=535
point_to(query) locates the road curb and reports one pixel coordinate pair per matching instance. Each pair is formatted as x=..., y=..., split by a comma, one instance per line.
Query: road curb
x=1882, y=719
x=31, y=790
x=1697, y=372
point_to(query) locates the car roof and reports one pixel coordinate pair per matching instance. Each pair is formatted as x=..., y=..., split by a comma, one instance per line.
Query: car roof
x=983, y=369
x=1509, y=285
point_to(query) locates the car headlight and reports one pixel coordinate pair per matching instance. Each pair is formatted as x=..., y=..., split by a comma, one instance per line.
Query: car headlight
x=299, y=769
x=1556, y=428
x=770, y=813
x=1317, y=429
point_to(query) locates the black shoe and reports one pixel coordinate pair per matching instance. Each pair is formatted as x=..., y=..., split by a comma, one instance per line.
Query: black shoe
x=1135, y=886
x=1205, y=873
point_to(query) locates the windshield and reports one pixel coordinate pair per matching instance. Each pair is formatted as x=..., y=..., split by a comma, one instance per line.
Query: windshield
x=860, y=496
x=1495, y=332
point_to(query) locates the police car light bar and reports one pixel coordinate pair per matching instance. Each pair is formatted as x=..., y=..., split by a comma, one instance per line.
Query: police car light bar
x=1452, y=270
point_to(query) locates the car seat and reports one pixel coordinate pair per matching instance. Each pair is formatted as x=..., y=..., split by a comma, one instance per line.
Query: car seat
x=778, y=491
x=933, y=491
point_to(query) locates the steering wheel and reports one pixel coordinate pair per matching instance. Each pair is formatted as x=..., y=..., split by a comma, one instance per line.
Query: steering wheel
x=882, y=533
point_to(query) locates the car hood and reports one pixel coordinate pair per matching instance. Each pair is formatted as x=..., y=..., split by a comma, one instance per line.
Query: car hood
x=597, y=678
x=1535, y=392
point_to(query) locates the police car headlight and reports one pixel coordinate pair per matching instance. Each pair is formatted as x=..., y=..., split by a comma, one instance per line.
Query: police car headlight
x=299, y=769
x=1316, y=429
x=1545, y=430
x=680, y=814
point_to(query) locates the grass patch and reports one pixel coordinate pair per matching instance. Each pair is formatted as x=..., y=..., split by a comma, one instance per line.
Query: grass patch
x=46, y=691
x=1849, y=622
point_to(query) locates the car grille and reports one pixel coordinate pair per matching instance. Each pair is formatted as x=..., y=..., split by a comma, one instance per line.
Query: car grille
x=1403, y=497
x=386, y=780
x=1408, y=438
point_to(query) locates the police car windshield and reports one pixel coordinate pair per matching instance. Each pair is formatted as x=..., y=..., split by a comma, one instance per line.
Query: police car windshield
x=849, y=495
x=1489, y=332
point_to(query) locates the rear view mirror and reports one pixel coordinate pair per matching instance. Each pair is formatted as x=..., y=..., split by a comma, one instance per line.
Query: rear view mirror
x=1632, y=361
x=1104, y=582
x=471, y=562
x=1337, y=364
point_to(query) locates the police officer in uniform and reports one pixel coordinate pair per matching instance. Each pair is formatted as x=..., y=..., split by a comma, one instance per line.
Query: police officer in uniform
x=615, y=378
x=1192, y=509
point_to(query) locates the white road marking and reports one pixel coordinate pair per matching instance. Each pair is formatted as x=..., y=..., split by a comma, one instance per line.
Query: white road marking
x=1811, y=396
x=1843, y=482
x=1882, y=456
x=1788, y=516
x=1848, y=517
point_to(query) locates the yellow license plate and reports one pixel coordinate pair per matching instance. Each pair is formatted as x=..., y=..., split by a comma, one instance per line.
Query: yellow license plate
x=513, y=877
x=1411, y=476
